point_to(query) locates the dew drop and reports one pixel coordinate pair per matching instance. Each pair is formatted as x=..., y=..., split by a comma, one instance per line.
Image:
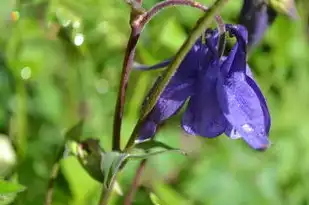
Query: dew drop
x=247, y=128
x=234, y=134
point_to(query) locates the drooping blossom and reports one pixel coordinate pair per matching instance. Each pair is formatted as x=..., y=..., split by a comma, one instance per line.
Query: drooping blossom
x=223, y=95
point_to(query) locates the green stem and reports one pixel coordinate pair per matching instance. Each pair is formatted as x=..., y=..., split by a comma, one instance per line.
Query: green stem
x=202, y=24
x=106, y=193
x=53, y=176
x=21, y=115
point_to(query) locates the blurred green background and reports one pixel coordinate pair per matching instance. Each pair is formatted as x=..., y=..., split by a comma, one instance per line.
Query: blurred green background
x=62, y=59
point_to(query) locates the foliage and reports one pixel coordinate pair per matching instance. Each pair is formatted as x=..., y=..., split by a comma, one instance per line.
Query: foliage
x=61, y=61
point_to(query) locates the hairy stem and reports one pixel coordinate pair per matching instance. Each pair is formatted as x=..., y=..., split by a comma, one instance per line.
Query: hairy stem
x=202, y=24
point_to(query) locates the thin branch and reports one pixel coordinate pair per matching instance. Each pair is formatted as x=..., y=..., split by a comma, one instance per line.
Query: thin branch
x=50, y=189
x=53, y=176
x=127, y=66
x=134, y=186
x=146, y=17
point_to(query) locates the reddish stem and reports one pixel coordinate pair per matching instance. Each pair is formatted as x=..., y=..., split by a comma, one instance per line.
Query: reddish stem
x=138, y=23
x=127, y=65
x=134, y=186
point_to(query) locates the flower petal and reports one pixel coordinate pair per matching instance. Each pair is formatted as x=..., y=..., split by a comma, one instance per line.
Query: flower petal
x=256, y=18
x=160, y=65
x=263, y=102
x=180, y=87
x=203, y=115
x=231, y=132
x=240, y=101
x=147, y=130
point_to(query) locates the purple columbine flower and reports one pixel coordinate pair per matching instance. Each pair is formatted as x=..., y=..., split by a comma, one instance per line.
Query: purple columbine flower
x=256, y=16
x=223, y=95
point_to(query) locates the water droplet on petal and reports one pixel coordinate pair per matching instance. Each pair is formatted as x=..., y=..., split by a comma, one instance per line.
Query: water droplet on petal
x=247, y=128
x=234, y=134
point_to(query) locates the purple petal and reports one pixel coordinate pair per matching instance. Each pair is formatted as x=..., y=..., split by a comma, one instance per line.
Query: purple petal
x=256, y=18
x=169, y=103
x=240, y=101
x=160, y=65
x=236, y=60
x=180, y=87
x=147, y=130
x=231, y=132
x=226, y=62
x=249, y=72
x=203, y=115
x=263, y=102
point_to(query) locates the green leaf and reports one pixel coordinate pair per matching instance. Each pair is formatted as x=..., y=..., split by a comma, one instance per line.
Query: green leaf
x=154, y=199
x=89, y=154
x=111, y=162
x=7, y=187
x=149, y=144
x=110, y=165
x=153, y=153
x=75, y=132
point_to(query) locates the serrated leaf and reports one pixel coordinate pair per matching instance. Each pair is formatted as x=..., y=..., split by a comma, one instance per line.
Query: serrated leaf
x=7, y=187
x=75, y=132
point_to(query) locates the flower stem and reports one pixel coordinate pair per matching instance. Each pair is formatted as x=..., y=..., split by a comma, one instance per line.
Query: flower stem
x=135, y=183
x=202, y=24
x=138, y=23
x=53, y=176
x=127, y=65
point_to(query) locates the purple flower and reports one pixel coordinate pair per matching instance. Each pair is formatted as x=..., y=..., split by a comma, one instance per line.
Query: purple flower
x=223, y=96
x=256, y=16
